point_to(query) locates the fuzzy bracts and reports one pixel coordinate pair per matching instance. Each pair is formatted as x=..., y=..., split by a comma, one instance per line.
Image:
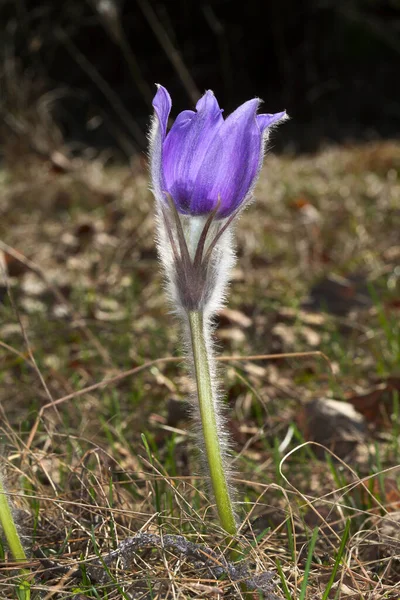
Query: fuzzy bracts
x=197, y=256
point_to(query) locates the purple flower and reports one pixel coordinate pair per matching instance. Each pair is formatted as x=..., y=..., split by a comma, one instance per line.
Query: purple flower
x=205, y=161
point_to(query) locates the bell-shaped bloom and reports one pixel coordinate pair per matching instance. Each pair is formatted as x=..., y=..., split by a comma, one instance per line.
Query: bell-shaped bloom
x=205, y=162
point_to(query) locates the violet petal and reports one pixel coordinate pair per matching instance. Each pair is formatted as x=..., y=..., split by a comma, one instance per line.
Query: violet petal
x=186, y=147
x=162, y=105
x=231, y=164
x=267, y=120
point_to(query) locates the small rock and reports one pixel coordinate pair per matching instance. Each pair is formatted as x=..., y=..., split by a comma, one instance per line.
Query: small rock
x=336, y=425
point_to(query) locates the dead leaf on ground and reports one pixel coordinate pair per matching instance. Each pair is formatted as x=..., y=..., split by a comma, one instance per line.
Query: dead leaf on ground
x=287, y=338
x=229, y=316
x=391, y=493
x=12, y=266
x=232, y=334
x=376, y=404
x=306, y=317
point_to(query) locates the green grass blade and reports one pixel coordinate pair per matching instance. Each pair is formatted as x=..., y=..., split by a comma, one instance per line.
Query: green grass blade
x=304, y=584
x=281, y=574
x=338, y=560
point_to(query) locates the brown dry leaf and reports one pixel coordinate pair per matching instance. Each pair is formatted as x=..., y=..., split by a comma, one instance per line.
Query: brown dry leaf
x=229, y=316
x=391, y=492
x=312, y=338
x=286, y=336
x=254, y=369
x=231, y=335
x=308, y=318
x=12, y=266
x=376, y=404
x=345, y=591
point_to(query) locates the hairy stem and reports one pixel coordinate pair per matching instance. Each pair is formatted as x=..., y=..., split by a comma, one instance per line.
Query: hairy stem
x=209, y=422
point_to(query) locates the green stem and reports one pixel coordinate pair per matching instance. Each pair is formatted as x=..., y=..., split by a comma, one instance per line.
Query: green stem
x=10, y=531
x=13, y=540
x=209, y=423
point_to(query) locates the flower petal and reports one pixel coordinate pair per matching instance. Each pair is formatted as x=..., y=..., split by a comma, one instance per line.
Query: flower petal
x=267, y=120
x=186, y=146
x=162, y=105
x=232, y=163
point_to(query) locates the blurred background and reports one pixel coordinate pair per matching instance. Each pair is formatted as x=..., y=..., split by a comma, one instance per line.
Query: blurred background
x=91, y=65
